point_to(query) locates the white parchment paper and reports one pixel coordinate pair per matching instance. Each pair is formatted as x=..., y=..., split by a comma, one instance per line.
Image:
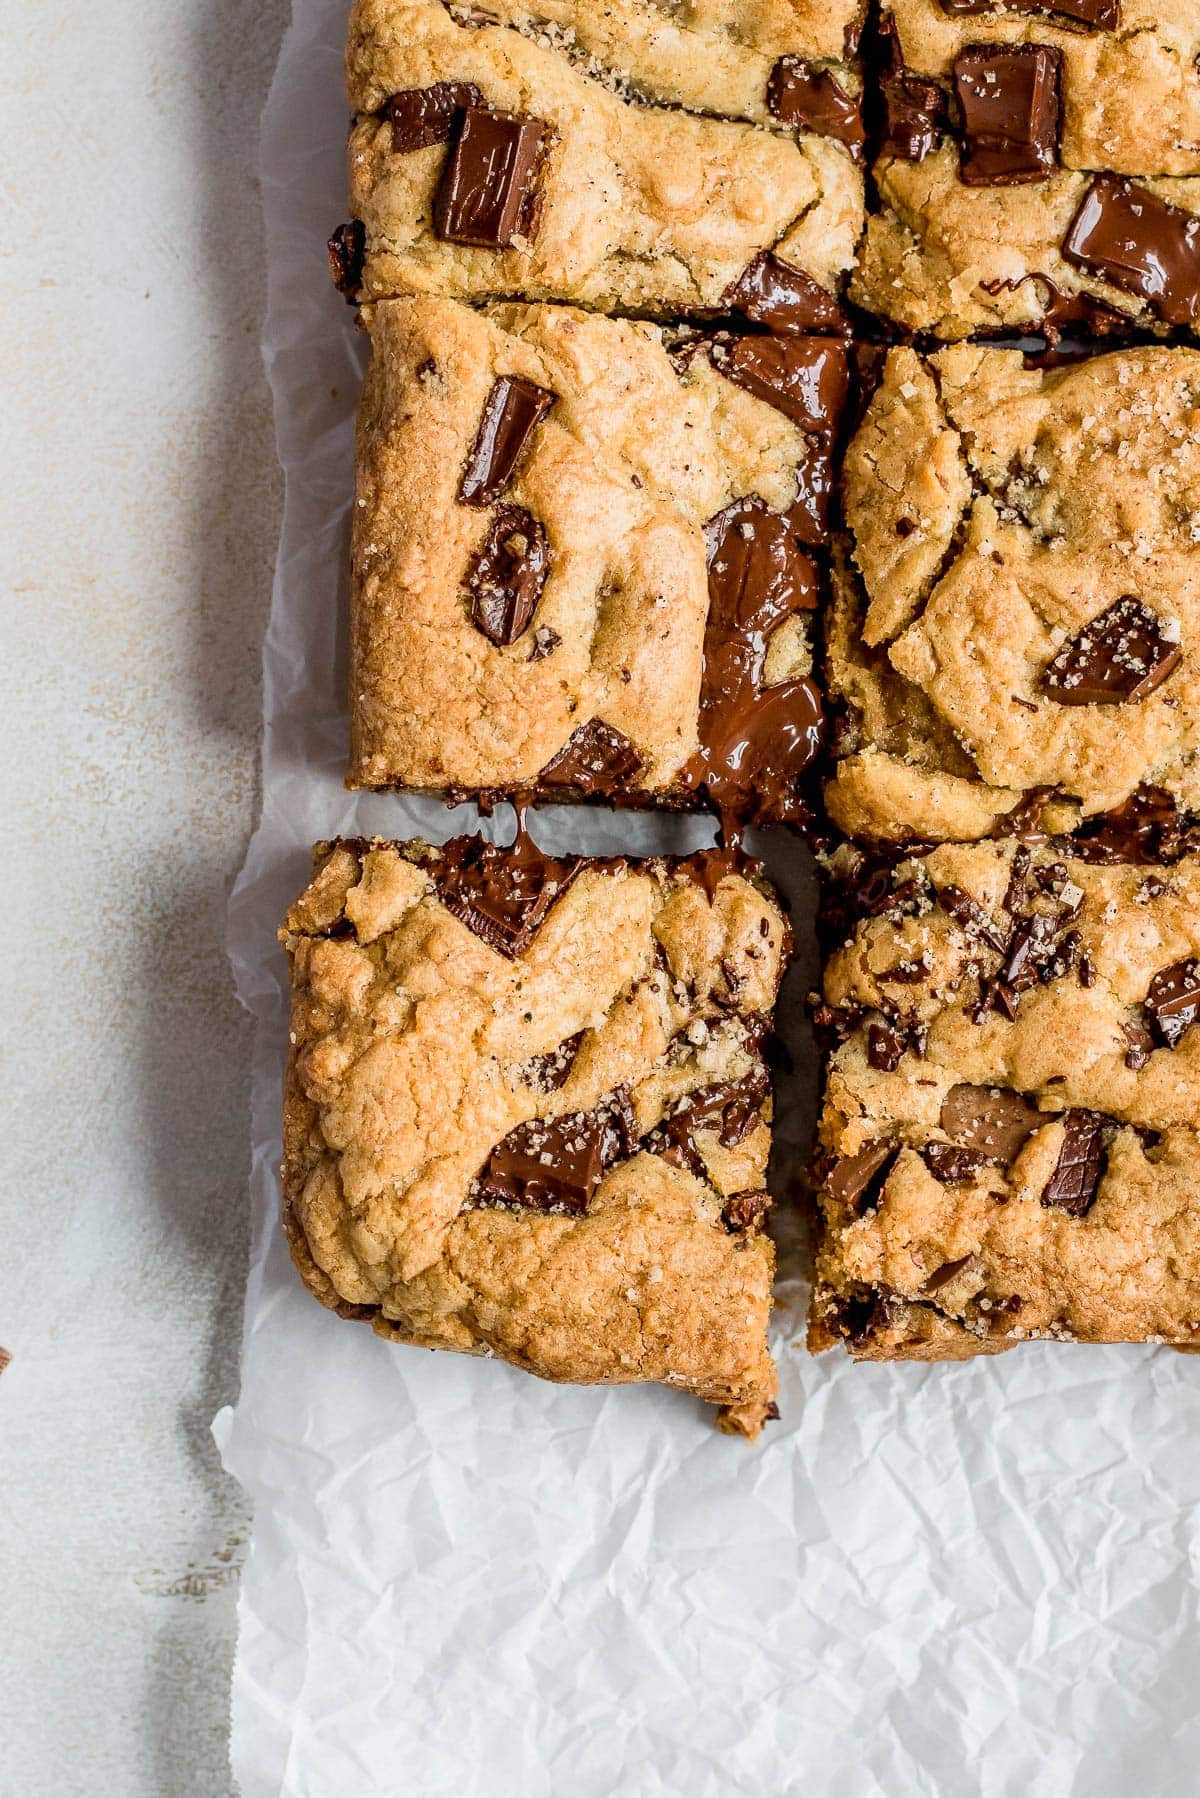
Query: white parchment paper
x=974, y=1579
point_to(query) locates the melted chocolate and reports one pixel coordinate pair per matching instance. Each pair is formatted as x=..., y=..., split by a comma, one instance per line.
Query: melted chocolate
x=812, y=99
x=488, y=191
x=1119, y=658
x=595, y=759
x=512, y=412
x=1127, y=235
x=805, y=378
x=784, y=299
x=1009, y=96
x=422, y=116
x=1143, y=831
x=506, y=579
x=914, y=109
x=731, y=1108
x=503, y=894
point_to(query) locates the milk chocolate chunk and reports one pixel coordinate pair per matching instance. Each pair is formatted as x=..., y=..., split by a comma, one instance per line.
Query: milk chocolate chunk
x=812, y=99
x=503, y=894
x=1127, y=235
x=554, y=1164
x=595, y=759
x=347, y=253
x=422, y=116
x=506, y=579
x=1073, y=1184
x=950, y=1163
x=1120, y=657
x=1009, y=97
x=513, y=410
x=914, y=110
x=991, y=1120
x=488, y=191
x=805, y=378
x=1173, y=1002
x=1100, y=15
x=857, y=1181
x=785, y=300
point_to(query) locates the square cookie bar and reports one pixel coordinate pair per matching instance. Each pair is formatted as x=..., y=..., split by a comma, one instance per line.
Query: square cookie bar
x=1009, y=1137
x=1039, y=167
x=527, y=1110
x=582, y=558
x=552, y=154
x=1015, y=626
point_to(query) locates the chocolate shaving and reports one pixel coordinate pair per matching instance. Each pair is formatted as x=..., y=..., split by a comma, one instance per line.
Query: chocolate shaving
x=512, y=412
x=596, y=758
x=1173, y=1001
x=501, y=893
x=1126, y=235
x=506, y=578
x=1073, y=1185
x=422, y=116
x=990, y=1120
x=1119, y=658
x=488, y=191
x=1009, y=96
x=812, y=99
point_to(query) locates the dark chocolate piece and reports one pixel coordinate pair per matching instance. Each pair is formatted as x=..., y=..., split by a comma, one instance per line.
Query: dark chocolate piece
x=991, y=1120
x=812, y=99
x=501, y=893
x=1143, y=831
x=1097, y=14
x=422, y=116
x=555, y=1164
x=1073, y=1184
x=595, y=759
x=885, y=1047
x=512, y=412
x=1117, y=659
x=1141, y=1044
x=347, y=253
x=784, y=299
x=968, y=912
x=756, y=741
x=1009, y=95
x=914, y=109
x=506, y=579
x=952, y=1164
x=488, y=191
x=731, y=1108
x=857, y=1181
x=1173, y=1002
x=805, y=378
x=808, y=516
x=744, y=1212
x=547, y=1073
x=1127, y=235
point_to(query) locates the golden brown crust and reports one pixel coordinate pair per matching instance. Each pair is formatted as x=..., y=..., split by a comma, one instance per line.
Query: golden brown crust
x=416, y=1049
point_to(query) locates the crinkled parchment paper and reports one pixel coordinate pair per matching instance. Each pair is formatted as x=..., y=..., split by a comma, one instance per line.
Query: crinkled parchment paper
x=975, y=1579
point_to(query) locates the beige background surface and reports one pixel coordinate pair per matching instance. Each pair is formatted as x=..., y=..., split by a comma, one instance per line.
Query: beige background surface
x=138, y=514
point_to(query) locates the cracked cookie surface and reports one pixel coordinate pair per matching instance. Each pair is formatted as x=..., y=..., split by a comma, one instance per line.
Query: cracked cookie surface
x=1037, y=172
x=537, y=179
x=1016, y=618
x=1008, y=1136
x=526, y=1109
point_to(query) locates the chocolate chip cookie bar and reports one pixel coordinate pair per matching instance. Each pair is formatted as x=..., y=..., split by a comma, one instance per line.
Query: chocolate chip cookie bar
x=1038, y=167
x=527, y=1109
x=572, y=152
x=583, y=558
x=1014, y=632
x=1010, y=1145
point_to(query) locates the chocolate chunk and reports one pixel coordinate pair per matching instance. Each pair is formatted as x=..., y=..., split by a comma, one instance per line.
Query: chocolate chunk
x=1073, y=1184
x=545, y=642
x=784, y=299
x=422, y=116
x=1009, y=97
x=805, y=378
x=952, y=1164
x=488, y=191
x=1143, y=831
x=347, y=253
x=885, y=1047
x=1127, y=235
x=595, y=759
x=756, y=741
x=730, y=1108
x=547, y=1073
x=861, y=1319
x=808, y=515
x=970, y=914
x=502, y=894
x=914, y=110
x=812, y=99
x=857, y=1181
x=1098, y=14
x=1033, y=939
x=1173, y=1002
x=746, y=1212
x=1120, y=657
x=506, y=579
x=513, y=410
x=1141, y=1043
x=991, y=1120
x=555, y=1164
